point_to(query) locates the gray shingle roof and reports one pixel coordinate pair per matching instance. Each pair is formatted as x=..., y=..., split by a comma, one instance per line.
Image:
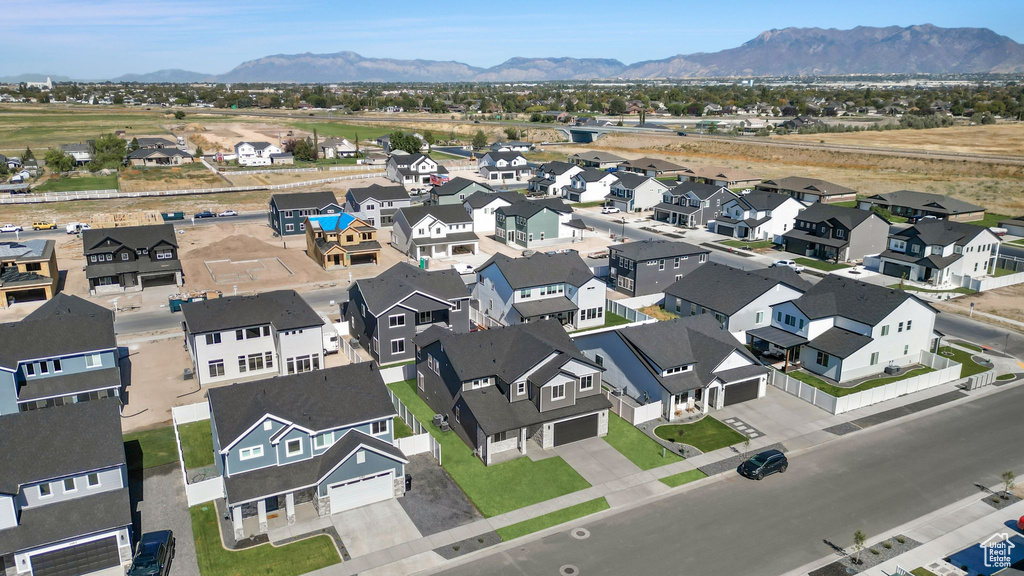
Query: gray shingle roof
x=726, y=289
x=142, y=153
x=941, y=232
x=508, y=156
x=481, y=199
x=456, y=185
x=398, y=282
x=925, y=201
x=62, y=326
x=848, y=217
x=594, y=175
x=858, y=301
x=809, y=185
x=494, y=413
x=284, y=309
x=839, y=342
x=303, y=200
x=378, y=192
x=557, y=168
x=41, y=525
x=647, y=163
x=133, y=237
x=528, y=208
x=655, y=249
x=632, y=180
x=541, y=268
x=760, y=200
x=317, y=400
x=449, y=214
x=603, y=157
x=702, y=191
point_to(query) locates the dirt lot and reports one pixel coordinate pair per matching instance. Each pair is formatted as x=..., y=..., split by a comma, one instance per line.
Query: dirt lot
x=996, y=139
x=222, y=136
x=1005, y=302
x=157, y=383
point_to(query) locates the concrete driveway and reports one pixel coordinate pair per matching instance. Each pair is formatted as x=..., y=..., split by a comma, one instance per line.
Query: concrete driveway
x=776, y=414
x=158, y=498
x=375, y=527
x=596, y=460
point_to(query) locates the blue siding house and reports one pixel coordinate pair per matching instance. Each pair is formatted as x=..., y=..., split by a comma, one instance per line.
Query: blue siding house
x=288, y=212
x=322, y=439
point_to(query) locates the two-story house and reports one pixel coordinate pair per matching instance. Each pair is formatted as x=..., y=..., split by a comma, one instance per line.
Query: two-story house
x=28, y=271
x=808, y=190
x=80, y=151
x=375, y=204
x=412, y=169
x=64, y=505
x=501, y=166
x=62, y=353
x=836, y=233
x=530, y=223
x=505, y=388
x=127, y=259
x=635, y=192
x=552, y=178
x=687, y=365
x=650, y=266
x=599, y=160
x=739, y=300
x=653, y=167
x=539, y=287
x=917, y=205
x=757, y=215
x=338, y=148
x=589, y=185
x=434, y=232
x=287, y=213
x=718, y=176
x=341, y=240
x=843, y=329
x=940, y=252
x=483, y=207
x=321, y=441
x=385, y=313
x=692, y=204
x=256, y=153
x=456, y=190
x=236, y=337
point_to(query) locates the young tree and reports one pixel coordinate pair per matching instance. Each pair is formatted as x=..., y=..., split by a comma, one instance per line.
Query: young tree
x=179, y=115
x=404, y=141
x=429, y=138
x=512, y=133
x=858, y=544
x=315, y=151
x=479, y=139
x=302, y=150
x=1009, y=478
x=108, y=153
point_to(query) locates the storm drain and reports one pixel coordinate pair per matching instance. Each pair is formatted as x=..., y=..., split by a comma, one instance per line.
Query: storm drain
x=569, y=570
x=580, y=533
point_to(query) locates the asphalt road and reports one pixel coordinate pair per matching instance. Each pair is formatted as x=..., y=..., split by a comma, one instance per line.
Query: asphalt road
x=999, y=339
x=872, y=481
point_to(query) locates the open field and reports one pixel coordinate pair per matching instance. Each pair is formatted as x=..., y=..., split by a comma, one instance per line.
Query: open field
x=994, y=139
x=72, y=183
x=1005, y=302
x=186, y=176
x=42, y=127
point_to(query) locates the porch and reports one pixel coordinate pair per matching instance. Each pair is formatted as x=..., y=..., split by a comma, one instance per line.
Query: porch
x=776, y=347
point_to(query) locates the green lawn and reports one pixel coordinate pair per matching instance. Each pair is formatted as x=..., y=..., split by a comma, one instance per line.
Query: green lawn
x=1009, y=376
x=922, y=572
x=847, y=204
x=907, y=288
x=1018, y=241
x=588, y=204
x=610, y=319
x=970, y=367
x=1002, y=272
x=501, y=487
x=402, y=430
x=552, y=519
x=74, y=183
x=151, y=448
x=821, y=264
x=267, y=560
x=839, y=391
x=990, y=220
x=967, y=345
x=636, y=445
x=339, y=130
x=196, y=444
x=683, y=478
x=744, y=245
x=438, y=155
x=706, y=434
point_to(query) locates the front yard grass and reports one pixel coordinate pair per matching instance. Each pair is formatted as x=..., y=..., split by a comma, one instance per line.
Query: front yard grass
x=706, y=434
x=196, y=444
x=1007, y=376
x=588, y=204
x=744, y=245
x=683, y=478
x=402, y=430
x=501, y=487
x=990, y=220
x=839, y=391
x=636, y=445
x=967, y=345
x=267, y=560
x=552, y=519
x=970, y=367
x=151, y=448
x=821, y=264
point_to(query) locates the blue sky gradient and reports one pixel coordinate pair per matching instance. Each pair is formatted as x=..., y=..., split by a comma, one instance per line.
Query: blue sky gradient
x=106, y=38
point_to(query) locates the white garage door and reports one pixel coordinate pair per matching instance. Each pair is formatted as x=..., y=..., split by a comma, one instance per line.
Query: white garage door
x=362, y=492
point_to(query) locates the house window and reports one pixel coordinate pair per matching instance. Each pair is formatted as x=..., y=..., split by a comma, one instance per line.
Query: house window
x=321, y=441
x=124, y=256
x=302, y=364
x=250, y=453
x=293, y=447
x=703, y=258
x=520, y=388
x=909, y=322
x=906, y=349
x=885, y=330
x=361, y=457
x=216, y=368
x=822, y=359
x=457, y=414
x=599, y=359
x=424, y=318
x=524, y=293
x=759, y=317
x=93, y=361
x=586, y=383
x=289, y=227
x=302, y=226
x=378, y=428
x=396, y=320
x=558, y=392
x=874, y=358
x=30, y=369
x=213, y=339
x=56, y=365
x=458, y=305
x=241, y=364
x=268, y=359
x=268, y=425
x=398, y=346
x=500, y=437
x=93, y=480
x=69, y=485
x=661, y=265
x=255, y=361
x=45, y=491
x=900, y=328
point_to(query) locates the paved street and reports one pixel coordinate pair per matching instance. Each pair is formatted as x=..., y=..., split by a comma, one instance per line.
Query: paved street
x=872, y=481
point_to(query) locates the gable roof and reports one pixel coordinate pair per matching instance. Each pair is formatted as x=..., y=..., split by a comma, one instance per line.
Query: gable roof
x=859, y=301
x=403, y=279
x=848, y=217
x=632, y=180
x=303, y=200
x=507, y=155
x=557, y=167
x=701, y=191
x=255, y=145
x=761, y=200
x=541, y=268
x=647, y=163
x=448, y=213
x=377, y=192
x=284, y=309
x=150, y=141
x=594, y=175
x=656, y=249
x=133, y=237
x=528, y=208
x=334, y=222
x=143, y=153
x=810, y=185
x=456, y=185
x=480, y=198
x=925, y=201
x=601, y=157
x=727, y=290
x=941, y=232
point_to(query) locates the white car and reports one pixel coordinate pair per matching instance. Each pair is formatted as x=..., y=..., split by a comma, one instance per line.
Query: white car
x=610, y=210
x=11, y=228
x=788, y=264
x=227, y=213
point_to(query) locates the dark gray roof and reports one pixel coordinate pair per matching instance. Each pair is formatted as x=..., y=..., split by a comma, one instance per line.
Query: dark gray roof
x=456, y=185
x=317, y=400
x=925, y=201
x=848, y=217
x=839, y=342
x=677, y=208
x=632, y=180
x=760, y=200
x=858, y=301
x=146, y=141
x=603, y=157
x=655, y=249
x=142, y=153
x=449, y=214
x=941, y=232
x=541, y=268
x=284, y=309
x=727, y=290
x=65, y=384
x=141, y=266
x=133, y=237
x=544, y=306
x=456, y=238
x=529, y=208
x=481, y=199
x=44, y=444
x=508, y=156
x=647, y=163
x=777, y=336
x=702, y=191
x=303, y=200
x=594, y=175
x=62, y=326
x=403, y=279
x=72, y=518
x=809, y=185
x=557, y=168
x=494, y=413
x=377, y=192
x=271, y=480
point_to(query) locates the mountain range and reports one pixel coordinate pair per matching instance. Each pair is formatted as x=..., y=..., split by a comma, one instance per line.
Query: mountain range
x=921, y=49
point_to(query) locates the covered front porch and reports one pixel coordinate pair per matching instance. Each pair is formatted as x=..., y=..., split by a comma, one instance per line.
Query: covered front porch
x=452, y=245
x=275, y=512
x=676, y=215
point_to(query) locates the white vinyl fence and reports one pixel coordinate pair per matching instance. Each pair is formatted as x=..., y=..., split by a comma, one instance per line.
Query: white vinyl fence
x=632, y=412
x=991, y=282
x=398, y=373
x=421, y=441
x=631, y=314
x=946, y=370
x=210, y=488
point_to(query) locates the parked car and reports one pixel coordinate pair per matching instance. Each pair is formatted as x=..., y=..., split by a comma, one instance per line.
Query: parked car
x=227, y=213
x=610, y=210
x=75, y=227
x=788, y=264
x=204, y=214
x=44, y=225
x=764, y=464
x=153, y=554
x=11, y=228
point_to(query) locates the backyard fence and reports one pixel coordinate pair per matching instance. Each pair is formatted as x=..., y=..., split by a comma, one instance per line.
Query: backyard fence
x=398, y=373
x=946, y=370
x=631, y=314
x=348, y=350
x=992, y=282
x=631, y=411
x=421, y=441
x=210, y=488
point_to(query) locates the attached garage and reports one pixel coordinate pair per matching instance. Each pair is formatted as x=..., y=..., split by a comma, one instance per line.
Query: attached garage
x=568, y=431
x=726, y=230
x=896, y=270
x=76, y=560
x=160, y=280
x=741, y=392
x=362, y=492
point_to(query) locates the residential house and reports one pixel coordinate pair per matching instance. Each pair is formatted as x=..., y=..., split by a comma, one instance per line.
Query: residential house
x=795, y=124
x=412, y=169
x=542, y=286
x=531, y=223
x=155, y=157
x=757, y=215
x=649, y=266
x=375, y=204
x=754, y=125
x=503, y=166
x=385, y=143
x=338, y=148
x=692, y=204
x=64, y=504
x=130, y=258
x=256, y=153
x=81, y=152
x=635, y=192
x=1014, y=226
x=28, y=271
x=940, y=252
x=711, y=109
x=306, y=444
x=838, y=233
x=268, y=334
x=590, y=185
x=917, y=205
x=62, y=353
x=843, y=329
x=434, y=232
x=483, y=207
x=653, y=167
x=155, y=143
x=512, y=146
x=287, y=213
x=599, y=160
x=719, y=177
x=340, y=241
x=456, y=190
x=688, y=365
x=505, y=388
x=809, y=190
x=552, y=178
x=739, y=300
x=385, y=313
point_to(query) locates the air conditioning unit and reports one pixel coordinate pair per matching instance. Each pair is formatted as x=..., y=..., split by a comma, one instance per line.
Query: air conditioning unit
x=438, y=418
x=445, y=427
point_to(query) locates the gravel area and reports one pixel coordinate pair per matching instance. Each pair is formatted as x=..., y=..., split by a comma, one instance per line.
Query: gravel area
x=845, y=566
x=843, y=429
x=435, y=503
x=158, y=501
x=996, y=500
x=734, y=462
x=468, y=545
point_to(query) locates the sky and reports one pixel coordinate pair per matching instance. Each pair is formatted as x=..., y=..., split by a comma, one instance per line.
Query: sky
x=99, y=39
